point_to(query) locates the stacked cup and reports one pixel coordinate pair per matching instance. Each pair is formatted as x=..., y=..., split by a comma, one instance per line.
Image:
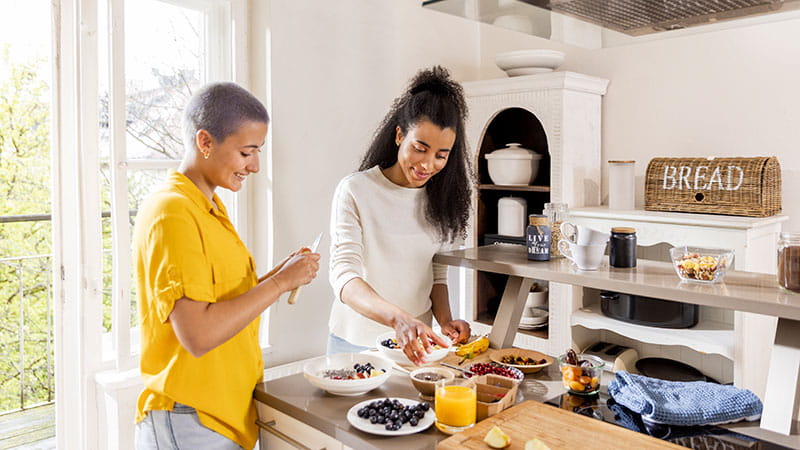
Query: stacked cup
x=582, y=245
x=535, y=314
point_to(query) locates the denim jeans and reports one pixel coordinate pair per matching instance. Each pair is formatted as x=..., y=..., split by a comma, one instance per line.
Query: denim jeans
x=179, y=429
x=339, y=345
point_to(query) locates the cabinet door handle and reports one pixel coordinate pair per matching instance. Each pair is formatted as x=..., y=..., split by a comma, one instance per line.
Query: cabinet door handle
x=269, y=427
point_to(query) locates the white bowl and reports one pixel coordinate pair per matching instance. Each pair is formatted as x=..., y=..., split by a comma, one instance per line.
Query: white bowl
x=513, y=165
x=313, y=372
x=397, y=355
x=533, y=316
x=528, y=62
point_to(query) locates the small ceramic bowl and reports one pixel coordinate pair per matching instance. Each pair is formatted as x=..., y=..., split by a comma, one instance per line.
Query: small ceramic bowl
x=425, y=378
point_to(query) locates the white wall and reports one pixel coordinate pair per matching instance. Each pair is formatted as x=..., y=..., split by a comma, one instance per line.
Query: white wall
x=336, y=66
x=732, y=92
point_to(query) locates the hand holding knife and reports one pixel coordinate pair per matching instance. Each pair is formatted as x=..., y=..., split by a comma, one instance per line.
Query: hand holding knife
x=295, y=291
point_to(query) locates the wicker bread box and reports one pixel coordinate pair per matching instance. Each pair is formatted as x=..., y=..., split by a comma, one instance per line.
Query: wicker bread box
x=732, y=186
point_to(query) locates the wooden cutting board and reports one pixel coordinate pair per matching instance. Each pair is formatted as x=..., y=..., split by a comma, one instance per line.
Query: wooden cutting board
x=557, y=428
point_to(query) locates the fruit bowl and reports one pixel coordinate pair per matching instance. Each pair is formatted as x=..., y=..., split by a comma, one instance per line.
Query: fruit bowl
x=526, y=361
x=397, y=355
x=703, y=265
x=322, y=371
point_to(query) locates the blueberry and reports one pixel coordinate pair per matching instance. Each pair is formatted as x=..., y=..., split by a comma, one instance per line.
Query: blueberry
x=413, y=421
x=419, y=414
x=425, y=406
x=381, y=419
x=373, y=419
x=389, y=426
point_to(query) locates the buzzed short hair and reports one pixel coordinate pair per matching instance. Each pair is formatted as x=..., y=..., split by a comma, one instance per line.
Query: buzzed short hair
x=220, y=108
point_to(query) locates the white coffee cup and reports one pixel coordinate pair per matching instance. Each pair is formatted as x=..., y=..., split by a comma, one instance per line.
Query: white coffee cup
x=586, y=257
x=581, y=235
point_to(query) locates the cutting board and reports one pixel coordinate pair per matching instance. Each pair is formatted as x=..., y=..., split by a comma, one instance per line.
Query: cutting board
x=558, y=428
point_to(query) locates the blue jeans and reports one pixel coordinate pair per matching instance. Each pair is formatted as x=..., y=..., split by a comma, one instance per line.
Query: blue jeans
x=179, y=429
x=339, y=345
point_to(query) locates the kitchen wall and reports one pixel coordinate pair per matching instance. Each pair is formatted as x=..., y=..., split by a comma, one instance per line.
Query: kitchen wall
x=732, y=92
x=334, y=68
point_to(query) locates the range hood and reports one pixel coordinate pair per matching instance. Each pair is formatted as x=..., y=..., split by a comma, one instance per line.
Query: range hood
x=638, y=17
x=630, y=17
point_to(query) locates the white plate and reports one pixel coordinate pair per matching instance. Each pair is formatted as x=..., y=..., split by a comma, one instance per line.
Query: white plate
x=380, y=429
x=397, y=355
x=532, y=327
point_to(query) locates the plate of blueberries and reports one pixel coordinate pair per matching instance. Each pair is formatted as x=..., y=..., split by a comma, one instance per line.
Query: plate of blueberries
x=391, y=416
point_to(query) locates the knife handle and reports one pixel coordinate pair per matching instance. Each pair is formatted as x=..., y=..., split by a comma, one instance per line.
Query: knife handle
x=293, y=295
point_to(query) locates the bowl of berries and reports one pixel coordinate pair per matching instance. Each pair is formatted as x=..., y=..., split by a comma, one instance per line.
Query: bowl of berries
x=348, y=374
x=704, y=265
x=388, y=347
x=496, y=369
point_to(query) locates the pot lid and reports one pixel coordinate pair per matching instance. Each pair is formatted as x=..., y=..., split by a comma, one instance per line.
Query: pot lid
x=513, y=151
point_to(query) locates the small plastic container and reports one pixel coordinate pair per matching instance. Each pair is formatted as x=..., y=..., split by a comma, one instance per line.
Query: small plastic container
x=581, y=379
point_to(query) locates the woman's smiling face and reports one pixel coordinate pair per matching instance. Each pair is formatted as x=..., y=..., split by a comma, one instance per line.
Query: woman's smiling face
x=237, y=156
x=421, y=154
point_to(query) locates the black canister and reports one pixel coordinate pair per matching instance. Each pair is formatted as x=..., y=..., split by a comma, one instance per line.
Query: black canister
x=538, y=238
x=622, y=249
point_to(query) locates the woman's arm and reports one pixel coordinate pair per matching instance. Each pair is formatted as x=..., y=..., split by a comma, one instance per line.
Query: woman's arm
x=203, y=326
x=360, y=296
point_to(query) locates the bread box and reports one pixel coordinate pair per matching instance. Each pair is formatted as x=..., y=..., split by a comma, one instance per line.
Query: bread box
x=732, y=186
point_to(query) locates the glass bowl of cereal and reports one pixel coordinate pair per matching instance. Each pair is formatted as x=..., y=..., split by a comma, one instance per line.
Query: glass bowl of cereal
x=703, y=265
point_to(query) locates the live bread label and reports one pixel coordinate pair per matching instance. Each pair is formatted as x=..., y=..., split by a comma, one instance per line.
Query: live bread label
x=732, y=186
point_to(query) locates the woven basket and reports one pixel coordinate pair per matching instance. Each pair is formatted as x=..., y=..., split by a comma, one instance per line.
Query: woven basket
x=732, y=186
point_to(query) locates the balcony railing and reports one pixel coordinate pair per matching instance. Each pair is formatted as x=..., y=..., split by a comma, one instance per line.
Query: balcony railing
x=26, y=333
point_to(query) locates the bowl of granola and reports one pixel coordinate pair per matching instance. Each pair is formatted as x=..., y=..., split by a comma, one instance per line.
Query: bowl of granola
x=704, y=265
x=348, y=374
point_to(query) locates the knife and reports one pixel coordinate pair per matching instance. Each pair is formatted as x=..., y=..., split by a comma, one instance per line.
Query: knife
x=295, y=291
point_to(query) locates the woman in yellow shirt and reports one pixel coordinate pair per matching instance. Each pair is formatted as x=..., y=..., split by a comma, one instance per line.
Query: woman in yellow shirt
x=199, y=297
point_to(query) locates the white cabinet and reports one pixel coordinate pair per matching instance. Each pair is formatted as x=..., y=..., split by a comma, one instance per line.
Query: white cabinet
x=740, y=342
x=557, y=115
x=279, y=431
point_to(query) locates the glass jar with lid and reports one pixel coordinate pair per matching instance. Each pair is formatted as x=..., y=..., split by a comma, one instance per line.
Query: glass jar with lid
x=556, y=215
x=789, y=261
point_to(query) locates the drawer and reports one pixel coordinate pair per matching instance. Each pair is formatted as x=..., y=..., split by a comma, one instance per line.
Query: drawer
x=278, y=431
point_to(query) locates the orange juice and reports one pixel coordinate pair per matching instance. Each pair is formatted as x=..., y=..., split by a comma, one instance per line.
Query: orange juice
x=455, y=407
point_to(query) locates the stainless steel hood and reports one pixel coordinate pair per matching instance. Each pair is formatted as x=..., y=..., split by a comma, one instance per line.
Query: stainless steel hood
x=638, y=17
x=631, y=18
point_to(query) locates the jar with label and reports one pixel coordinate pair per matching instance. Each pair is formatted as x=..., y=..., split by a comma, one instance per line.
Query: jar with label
x=538, y=238
x=789, y=261
x=622, y=247
x=556, y=214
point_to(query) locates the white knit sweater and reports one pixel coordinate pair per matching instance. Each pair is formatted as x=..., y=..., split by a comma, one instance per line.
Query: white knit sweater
x=379, y=233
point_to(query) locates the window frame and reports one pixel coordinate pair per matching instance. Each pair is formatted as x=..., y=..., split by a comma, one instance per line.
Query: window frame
x=77, y=233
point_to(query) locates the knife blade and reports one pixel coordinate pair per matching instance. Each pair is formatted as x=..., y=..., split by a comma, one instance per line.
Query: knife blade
x=295, y=291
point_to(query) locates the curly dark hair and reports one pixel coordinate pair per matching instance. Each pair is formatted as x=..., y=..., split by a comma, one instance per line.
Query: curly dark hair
x=431, y=95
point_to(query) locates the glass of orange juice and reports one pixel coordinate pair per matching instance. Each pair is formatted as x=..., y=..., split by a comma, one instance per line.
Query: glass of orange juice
x=455, y=405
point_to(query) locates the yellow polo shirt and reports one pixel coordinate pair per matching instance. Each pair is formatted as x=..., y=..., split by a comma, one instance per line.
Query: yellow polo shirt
x=184, y=247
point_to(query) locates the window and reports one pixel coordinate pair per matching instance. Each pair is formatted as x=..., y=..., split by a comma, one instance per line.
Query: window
x=124, y=73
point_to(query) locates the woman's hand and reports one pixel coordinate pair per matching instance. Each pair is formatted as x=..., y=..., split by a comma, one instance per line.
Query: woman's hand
x=415, y=338
x=457, y=330
x=300, y=268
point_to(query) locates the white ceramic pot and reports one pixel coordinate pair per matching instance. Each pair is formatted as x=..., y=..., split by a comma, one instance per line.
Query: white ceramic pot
x=513, y=165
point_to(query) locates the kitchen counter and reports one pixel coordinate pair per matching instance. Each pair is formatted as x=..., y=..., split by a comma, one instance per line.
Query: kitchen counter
x=296, y=397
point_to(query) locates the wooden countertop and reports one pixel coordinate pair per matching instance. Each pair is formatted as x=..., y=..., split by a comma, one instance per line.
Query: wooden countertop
x=741, y=291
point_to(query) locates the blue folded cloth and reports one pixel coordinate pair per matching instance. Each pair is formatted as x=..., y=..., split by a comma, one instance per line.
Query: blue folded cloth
x=684, y=403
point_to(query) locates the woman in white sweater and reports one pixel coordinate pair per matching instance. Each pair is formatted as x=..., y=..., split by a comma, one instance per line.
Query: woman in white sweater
x=409, y=200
